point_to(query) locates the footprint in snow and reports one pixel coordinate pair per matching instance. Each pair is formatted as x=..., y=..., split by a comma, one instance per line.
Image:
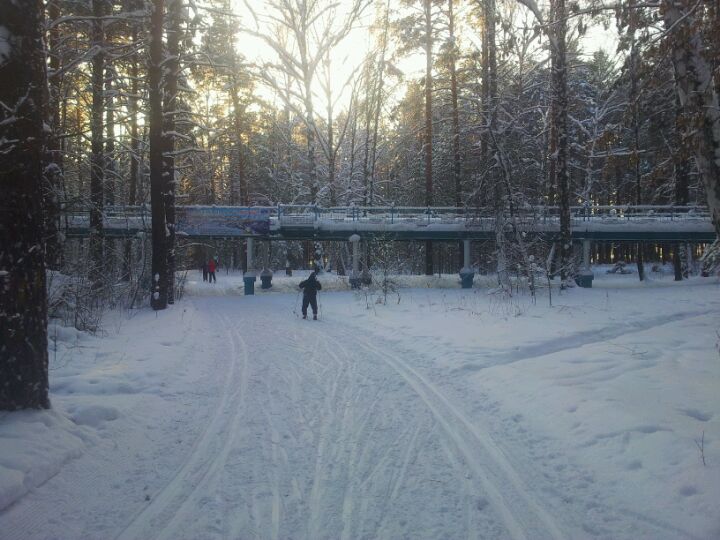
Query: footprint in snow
x=697, y=415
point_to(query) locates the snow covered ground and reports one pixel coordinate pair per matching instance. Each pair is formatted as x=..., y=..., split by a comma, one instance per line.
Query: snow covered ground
x=442, y=414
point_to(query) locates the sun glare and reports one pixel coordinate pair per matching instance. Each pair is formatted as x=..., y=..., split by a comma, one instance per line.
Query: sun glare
x=258, y=22
x=345, y=59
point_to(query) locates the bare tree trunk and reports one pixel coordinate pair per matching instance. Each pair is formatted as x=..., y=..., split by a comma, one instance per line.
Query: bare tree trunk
x=134, y=148
x=682, y=182
x=97, y=160
x=366, y=155
x=242, y=180
x=238, y=179
x=634, y=103
x=353, y=134
x=134, y=137
x=55, y=174
x=559, y=125
x=455, y=122
x=428, y=127
x=379, y=101
x=699, y=100
x=171, y=107
x=331, y=154
x=110, y=137
x=159, y=287
x=310, y=121
x=489, y=144
x=455, y=112
x=23, y=160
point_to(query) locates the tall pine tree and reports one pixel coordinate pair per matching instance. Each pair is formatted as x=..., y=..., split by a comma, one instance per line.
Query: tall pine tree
x=23, y=166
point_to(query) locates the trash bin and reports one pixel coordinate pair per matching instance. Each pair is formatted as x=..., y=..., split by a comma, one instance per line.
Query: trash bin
x=249, y=280
x=466, y=278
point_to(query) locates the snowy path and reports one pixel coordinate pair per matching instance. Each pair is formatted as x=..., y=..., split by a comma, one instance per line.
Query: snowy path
x=231, y=418
x=322, y=434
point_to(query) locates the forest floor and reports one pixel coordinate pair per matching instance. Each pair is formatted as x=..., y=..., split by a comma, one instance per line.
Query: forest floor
x=442, y=413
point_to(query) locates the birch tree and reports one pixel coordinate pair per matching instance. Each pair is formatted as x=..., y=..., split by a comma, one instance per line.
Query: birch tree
x=305, y=32
x=556, y=30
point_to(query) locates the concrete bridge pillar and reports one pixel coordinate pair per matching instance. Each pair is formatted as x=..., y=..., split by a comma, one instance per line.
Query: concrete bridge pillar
x=585, y=276
x=355, y=274
x=266, y=274
x=466, y=273
x=249, y=277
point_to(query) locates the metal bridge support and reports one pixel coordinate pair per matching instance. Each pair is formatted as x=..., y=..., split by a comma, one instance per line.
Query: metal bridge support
x=585, y=276
x=355, y=274
x=266, y=274
x=249, y=277
x=466, y=272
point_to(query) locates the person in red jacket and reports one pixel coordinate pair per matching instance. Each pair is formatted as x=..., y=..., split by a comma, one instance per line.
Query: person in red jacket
x=211, y=271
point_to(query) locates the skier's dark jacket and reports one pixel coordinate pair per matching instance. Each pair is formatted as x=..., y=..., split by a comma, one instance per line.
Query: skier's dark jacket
x=310, y=286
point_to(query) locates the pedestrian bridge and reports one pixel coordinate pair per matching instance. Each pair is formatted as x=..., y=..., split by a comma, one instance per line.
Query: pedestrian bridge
x=303, y=222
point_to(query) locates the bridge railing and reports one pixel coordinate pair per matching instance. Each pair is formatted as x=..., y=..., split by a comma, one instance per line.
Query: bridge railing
x=635, y=212
x=309, y=215
x=135, y=217
x=298, y=214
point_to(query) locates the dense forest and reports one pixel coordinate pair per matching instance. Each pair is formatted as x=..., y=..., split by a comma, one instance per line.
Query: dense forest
x=499, y=104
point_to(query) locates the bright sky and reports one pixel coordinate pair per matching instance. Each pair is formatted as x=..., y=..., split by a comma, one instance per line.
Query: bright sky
x=345, y=58
x=348, y=55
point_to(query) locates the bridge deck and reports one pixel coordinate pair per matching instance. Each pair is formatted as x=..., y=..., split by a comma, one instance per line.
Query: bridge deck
x=625, y=223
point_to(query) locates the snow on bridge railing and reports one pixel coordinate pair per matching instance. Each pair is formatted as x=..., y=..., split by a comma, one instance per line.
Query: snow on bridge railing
x=138, y=217
x=308, y=215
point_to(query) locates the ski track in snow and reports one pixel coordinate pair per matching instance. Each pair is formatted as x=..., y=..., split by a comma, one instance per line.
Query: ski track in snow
x=509, y=494
x=319, y=431
x=642, y=525
x=320, y=444
x=582, y=339
x=184, y=493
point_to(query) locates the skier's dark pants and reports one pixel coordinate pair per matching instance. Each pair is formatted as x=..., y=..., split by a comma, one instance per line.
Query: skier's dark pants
x=211, y=277
x=312, y=301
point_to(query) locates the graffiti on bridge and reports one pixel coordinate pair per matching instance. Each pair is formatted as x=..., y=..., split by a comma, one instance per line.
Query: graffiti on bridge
x=223, y=221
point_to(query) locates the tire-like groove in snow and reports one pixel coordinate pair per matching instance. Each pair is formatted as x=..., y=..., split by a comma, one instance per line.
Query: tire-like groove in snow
x=505, y=489
x=155, y=520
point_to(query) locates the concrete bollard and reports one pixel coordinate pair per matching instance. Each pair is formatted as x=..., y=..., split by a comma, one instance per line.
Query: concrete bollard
x=266, y=279
x=355, y=278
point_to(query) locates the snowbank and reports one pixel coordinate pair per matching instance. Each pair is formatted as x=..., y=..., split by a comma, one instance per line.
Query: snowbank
x=101, y=387
x=35, y=446
x=231, y=284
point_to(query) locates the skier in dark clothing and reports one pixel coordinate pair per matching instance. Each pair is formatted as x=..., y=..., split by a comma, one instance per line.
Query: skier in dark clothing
x=310, y=287
x=205, y=271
